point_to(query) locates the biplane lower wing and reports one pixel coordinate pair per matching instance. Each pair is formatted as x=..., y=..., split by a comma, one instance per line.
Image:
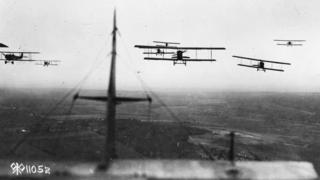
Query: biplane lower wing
x=173, y=59
x=253, y=59
x=18, y=60
x=48, y=64
x=289, y=44
x=44, y=60
x=28, y=60
x=25, y=52
x=199, y=60
x=255, y=66
x=159, y=52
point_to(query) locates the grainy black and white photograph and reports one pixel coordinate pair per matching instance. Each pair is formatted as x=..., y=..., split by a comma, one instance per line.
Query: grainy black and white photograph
x=160, y=89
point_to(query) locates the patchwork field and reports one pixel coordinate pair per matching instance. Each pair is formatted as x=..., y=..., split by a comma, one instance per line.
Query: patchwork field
x=268, y=126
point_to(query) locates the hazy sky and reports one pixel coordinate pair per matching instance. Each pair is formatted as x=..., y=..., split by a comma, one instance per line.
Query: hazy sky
x=77, y=32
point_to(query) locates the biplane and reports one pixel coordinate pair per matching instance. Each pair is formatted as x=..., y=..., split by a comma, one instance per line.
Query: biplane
x=48, y=62
x=160, y=51
x=283, y=42
x=261, y=64
x=23, y=56
x=176, y=51
x=12, y=56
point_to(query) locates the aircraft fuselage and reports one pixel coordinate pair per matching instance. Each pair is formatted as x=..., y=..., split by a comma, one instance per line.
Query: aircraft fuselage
x=261, y=66
x=46, y=63
x=12, y=57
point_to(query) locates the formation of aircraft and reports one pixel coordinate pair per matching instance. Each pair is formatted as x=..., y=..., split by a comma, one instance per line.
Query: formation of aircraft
x=283, y=42
x=164, y=48
x=111, y=167
x=180, y=169
x=176, y=51
x=261, y=64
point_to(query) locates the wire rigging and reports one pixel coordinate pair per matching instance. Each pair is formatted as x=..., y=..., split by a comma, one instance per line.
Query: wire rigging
x=39, y=125
x=148, y=91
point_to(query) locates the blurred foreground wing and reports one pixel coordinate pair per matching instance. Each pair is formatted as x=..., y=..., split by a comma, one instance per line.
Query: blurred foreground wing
x=166, y=169
x=3, y=45
x=118, y=99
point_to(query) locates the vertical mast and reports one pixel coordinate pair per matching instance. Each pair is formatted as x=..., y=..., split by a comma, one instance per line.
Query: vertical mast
x=110, y=149
x=111, y=99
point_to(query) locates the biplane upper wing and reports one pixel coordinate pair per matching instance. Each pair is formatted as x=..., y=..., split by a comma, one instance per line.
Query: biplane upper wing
x=289, y=40
x=253, y=59
x=255, y=66
x=164, y=42
x=202, y=48
x=175, y=59
x=26, y=52
x=177, y=48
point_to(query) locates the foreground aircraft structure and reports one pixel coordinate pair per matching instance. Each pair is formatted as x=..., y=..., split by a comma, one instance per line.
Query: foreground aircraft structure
x=261, y=64
x=3, y=45
x=113, y=168
x=164, y=48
